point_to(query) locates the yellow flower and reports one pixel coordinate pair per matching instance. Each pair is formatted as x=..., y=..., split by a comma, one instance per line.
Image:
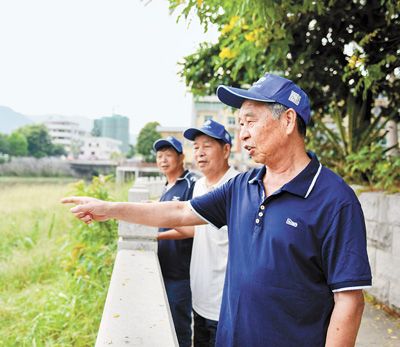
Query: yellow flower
x=199, y=3
x=228, y=27
x=227, y=53
x=251, y=36
x=353, y=61
x=234, y=20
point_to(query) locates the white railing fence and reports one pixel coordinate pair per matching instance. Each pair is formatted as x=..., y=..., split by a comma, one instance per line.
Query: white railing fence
x=136, y=311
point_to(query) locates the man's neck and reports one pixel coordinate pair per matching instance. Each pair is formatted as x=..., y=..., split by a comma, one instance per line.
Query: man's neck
x=213, y=178
x=173, y=176
x=280, y=172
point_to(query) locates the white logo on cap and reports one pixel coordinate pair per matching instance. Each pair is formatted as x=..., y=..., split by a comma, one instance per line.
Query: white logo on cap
x=294, y=97
x=261, y=80
x=207, y=122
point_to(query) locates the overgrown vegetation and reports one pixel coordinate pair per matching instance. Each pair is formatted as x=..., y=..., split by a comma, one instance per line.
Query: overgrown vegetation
x=345, y=54
x=54, y=271
x=369, y=165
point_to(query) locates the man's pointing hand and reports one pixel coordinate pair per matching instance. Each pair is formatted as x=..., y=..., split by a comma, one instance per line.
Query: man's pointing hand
x=89, y=209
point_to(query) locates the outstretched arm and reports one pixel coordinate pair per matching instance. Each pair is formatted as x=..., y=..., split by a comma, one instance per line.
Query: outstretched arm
x=160, y=214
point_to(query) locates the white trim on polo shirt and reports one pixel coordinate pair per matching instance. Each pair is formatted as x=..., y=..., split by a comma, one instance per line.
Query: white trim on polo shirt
x=310, y=188
x=200, y=216
x=350, y=288
x=185, y=178
x=188, y=181
x=252, y=180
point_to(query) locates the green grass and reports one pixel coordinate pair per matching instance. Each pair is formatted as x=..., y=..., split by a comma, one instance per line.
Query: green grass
x=35, y=180
x=54, y=271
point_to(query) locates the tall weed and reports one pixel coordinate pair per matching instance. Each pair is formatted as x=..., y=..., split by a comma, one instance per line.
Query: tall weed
x=54, y=270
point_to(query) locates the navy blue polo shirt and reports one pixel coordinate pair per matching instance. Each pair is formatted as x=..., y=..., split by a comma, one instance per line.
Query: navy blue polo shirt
x=174, y=255
x=288, y=253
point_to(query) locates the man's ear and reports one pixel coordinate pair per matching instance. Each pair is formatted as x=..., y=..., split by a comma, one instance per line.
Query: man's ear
x=227, y=150
x=289, y=119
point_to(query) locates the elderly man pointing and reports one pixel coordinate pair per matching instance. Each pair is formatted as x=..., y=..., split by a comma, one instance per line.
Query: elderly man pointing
x=297, y=259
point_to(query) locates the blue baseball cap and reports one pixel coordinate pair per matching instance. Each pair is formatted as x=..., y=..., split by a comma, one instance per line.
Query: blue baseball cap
x=269, y=88
x=169, y=141
x=210, y=128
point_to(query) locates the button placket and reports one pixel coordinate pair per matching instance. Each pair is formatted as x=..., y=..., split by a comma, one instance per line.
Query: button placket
x=260, y=215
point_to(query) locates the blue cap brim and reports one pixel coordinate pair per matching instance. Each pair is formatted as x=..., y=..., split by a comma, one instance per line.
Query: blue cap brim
x=235, y=97
x=191, y=134
x=164, y=143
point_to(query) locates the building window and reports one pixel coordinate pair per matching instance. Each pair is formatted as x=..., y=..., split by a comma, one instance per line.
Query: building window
x=206, y=118
x=231, y=120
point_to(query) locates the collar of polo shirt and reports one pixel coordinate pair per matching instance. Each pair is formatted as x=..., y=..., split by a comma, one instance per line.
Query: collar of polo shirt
x=302, y=184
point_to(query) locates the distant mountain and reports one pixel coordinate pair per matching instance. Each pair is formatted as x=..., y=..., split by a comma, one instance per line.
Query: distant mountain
x=11, y=120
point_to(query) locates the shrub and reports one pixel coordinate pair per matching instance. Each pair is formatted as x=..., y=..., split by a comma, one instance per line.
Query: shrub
x=90, y=261
x=54, y=269
x=373, y=167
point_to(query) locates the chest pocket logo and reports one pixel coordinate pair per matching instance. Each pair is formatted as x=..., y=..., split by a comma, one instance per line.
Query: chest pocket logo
x=291, y=223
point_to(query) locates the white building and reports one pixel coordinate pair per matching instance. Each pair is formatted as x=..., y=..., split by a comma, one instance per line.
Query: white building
x=65, y=133
x=99, y=148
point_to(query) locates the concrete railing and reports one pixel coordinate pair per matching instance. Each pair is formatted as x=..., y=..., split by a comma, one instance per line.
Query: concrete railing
x=154, y=185
x=383, y=236
x=136, y=311
x=122, y=172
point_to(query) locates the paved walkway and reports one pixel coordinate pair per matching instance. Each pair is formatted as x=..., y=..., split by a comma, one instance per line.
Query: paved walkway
x=378, y=329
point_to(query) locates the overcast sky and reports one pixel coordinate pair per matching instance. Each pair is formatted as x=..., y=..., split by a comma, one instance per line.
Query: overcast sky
x=92, y=57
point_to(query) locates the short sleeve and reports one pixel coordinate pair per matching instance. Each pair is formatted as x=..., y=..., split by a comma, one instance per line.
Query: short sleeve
x=344, y=250
x=212, y=206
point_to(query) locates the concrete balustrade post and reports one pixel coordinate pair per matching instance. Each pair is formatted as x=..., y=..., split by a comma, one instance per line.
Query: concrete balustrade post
x=135, y=236
x=120, y=176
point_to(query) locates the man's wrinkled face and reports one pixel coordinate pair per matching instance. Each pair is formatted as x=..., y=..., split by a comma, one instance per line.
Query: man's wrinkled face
x=209, y=154
x=261, y=135
x=169, y=161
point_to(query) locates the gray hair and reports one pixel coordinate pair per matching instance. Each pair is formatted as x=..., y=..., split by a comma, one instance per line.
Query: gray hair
x=276, y=109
